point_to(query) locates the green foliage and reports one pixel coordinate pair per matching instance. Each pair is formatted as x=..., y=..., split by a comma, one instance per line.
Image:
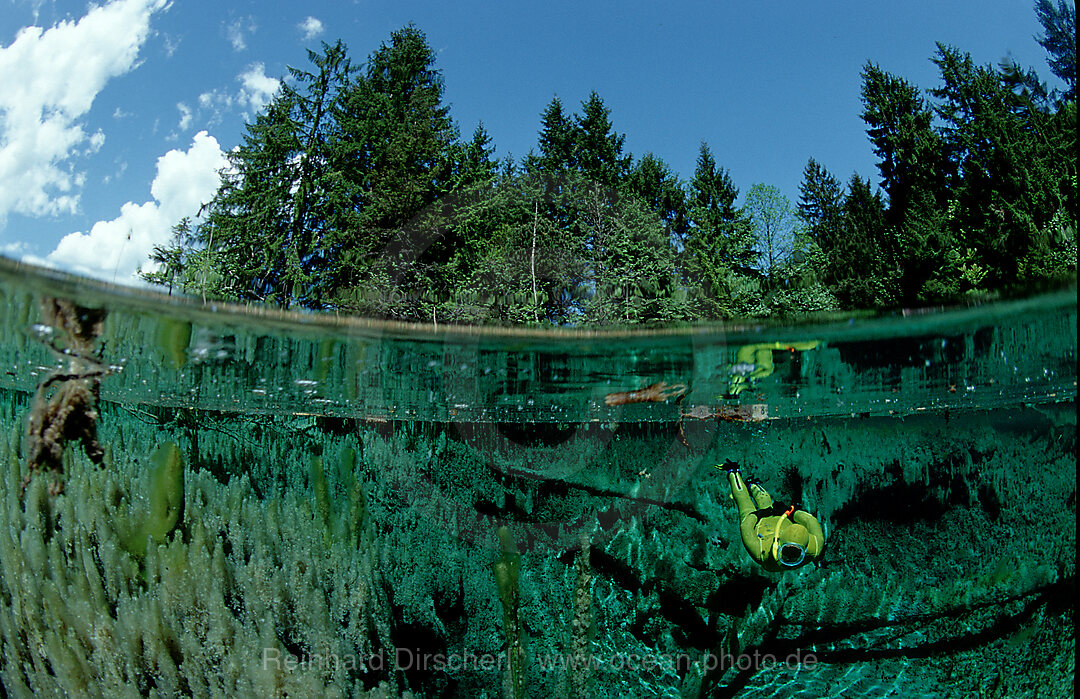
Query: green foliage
x=860, y=265
x=353, y=191
x=775, y=228
x=598, y=148
x=527, y=267
x=800, y=279
x=632, y=263
x=1059, y=40
x=1015, y=164
x=821, y=204
x=971, y=196
x=506, y=570
x=658, y=188
x=801, y=301
x=914, y=174
x=557, y=138
x=170, y=261
x=164, y=500
x=718, y=247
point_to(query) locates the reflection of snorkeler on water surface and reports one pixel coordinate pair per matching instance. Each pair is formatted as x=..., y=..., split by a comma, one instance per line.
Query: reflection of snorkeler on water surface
x=752, y=363
x=755, y=362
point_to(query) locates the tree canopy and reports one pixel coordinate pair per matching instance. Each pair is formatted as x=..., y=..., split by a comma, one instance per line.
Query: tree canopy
x=353, y=190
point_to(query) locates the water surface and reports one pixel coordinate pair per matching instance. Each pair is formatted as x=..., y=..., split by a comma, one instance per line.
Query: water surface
x=304, y=505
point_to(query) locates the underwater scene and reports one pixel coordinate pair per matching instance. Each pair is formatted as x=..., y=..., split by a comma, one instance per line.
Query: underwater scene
x=213, y=501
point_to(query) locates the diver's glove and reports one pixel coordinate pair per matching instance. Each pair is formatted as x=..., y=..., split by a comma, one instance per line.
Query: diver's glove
x=730, y=466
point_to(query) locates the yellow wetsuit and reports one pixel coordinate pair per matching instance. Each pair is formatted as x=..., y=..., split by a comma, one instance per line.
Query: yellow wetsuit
x=772, y=535
x=753, y=362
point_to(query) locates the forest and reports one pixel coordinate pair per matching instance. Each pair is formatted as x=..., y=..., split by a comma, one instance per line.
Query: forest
x=353, y=191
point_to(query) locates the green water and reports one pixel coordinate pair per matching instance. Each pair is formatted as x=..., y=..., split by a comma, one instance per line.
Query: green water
x=298, y=505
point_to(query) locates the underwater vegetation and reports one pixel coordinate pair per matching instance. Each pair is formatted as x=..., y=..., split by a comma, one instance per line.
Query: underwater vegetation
x=189, y=508
x=276, y=557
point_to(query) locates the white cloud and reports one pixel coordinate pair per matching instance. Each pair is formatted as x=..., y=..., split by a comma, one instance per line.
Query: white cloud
x=114, y=250
x=185, y=116
x=257, y=88
x=121, y=168
x=15, y=250
x=214, y=98
x=310, y=28
x=171, y=44
x=235, y=32
x=48, y=81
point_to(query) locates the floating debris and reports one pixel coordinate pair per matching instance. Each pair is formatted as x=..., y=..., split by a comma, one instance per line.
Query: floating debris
x=656, y=393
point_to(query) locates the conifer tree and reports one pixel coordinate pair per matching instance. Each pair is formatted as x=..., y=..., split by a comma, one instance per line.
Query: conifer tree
x=719, y=242
x=653, y=182
x=1059, y=39
x=915, y=174
x=598, y=148
x=860, y=268
x=556, y=140
x=821, y=201
x=396, y=144
x=268, y=230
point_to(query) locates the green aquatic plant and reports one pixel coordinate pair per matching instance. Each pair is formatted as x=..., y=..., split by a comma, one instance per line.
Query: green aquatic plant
x=321, y=491
x=222, y=611
x=582, y=623
x=173, y=337
x=165, y=499
x=506, y=570
x=358, y=526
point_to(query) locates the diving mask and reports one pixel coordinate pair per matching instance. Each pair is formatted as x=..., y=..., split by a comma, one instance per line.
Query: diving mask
x=790, y=555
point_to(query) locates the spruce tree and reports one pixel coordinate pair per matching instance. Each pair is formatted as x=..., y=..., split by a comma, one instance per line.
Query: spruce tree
x=598, y=148
x=860, y=268
x=719, y=242
x=397, y=146
x=653, y=182
x=821, y=200
x=556, y=140
x=915, y=174
x=1059, y=39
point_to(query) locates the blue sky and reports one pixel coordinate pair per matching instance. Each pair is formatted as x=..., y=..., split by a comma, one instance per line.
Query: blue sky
x=114, y=117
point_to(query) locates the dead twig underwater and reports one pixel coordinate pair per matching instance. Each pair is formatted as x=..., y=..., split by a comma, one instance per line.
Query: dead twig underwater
x=70, y=413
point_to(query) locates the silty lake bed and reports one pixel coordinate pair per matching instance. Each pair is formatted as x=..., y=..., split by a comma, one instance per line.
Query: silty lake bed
x=213, y=501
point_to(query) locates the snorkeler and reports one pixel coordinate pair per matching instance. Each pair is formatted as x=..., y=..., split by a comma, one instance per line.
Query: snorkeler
x=777, y=537
x=754, y=362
